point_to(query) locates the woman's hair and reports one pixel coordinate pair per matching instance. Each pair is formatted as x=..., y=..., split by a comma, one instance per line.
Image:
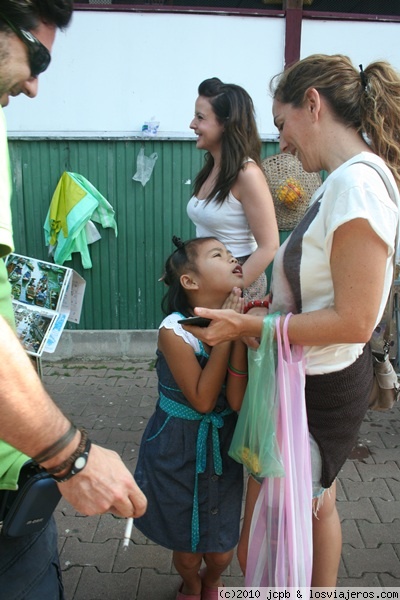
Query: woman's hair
x=233, y=108
x=182, y=260
x=366, y=99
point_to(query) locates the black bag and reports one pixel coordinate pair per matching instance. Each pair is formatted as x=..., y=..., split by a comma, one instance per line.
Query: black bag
x=28, y=509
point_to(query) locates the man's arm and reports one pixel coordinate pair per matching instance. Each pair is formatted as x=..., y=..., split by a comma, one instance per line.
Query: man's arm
x=31, y=422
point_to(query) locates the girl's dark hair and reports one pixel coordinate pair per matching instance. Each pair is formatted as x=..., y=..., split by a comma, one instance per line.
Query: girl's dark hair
x=366, y=99
x=233, y=108
x=183, y=259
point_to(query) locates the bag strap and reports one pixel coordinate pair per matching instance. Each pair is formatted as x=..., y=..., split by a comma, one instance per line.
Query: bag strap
x=390, y=301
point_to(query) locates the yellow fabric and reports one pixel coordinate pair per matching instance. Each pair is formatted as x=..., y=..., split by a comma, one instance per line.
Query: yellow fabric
x=66, y=195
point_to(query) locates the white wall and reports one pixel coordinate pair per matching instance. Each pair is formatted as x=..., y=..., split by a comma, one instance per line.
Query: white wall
x=363, y=41
x=110, y=72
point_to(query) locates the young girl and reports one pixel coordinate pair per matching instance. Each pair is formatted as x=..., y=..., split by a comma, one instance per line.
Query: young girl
x=231, y=199
x=194, y=489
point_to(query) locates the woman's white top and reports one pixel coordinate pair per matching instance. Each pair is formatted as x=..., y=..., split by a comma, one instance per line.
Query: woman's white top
x=225, y=221
x=302, y=278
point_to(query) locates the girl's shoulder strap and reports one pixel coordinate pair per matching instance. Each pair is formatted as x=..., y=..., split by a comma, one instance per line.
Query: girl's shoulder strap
x=171, y=322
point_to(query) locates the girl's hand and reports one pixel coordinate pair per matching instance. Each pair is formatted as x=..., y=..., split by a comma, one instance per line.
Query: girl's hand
x=234, y=301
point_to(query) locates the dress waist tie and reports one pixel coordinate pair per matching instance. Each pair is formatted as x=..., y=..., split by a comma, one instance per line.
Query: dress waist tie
x=176, y=409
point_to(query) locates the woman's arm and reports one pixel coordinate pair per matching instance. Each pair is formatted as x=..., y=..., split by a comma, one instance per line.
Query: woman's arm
x=252, y=190
x=358, y=266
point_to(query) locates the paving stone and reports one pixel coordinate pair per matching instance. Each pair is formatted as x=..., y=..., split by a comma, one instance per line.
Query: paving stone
x=372, y=439
x=351, y=534
x=144, y=556
x=375, y=534
x=101, y=556
x=361, y=509
x=390, y=440
x=386, y=454
x=370, y=472
x=108, y=586
x=349, y=471
x=381, y=560
x=367, y=580
x=394, y=487
x=83, y=528
x=387, y=510
x=156, y=586
x=94, y=563
x=71, y=578
x=361, y=489
x=389, y=581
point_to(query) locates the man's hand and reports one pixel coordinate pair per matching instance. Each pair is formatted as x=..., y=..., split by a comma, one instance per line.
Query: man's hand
x=104, y=485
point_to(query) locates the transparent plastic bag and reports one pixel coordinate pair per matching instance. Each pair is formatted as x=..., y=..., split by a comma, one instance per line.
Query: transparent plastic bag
x=144, y=165
x=254, y=442
x=280, y=542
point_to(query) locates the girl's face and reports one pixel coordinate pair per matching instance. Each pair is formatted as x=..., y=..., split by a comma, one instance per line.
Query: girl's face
x=217, y=269
x=206, y=126
x=295, y=133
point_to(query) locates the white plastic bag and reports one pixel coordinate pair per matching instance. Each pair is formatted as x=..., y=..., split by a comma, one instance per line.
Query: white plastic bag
x=144, y=166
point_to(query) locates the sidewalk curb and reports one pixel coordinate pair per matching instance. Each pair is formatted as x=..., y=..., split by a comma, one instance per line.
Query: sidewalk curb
x=88, y=344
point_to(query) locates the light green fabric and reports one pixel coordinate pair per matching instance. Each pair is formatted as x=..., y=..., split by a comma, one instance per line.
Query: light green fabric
x=6, y=308
x=6, y=238
x=11, y=460
x=91, y=206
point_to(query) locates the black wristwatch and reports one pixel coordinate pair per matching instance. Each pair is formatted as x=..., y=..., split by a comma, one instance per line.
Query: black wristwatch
x=78, y=465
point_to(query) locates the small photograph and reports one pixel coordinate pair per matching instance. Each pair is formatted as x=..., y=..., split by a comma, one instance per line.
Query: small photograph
x=32, y=327
x=34, y=282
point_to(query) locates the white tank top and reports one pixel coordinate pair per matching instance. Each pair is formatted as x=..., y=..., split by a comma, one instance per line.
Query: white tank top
x=225, y=221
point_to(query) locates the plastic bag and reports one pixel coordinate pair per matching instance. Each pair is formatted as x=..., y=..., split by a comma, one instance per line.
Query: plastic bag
x=144, y=165
x=254, y=442
x=280, y=543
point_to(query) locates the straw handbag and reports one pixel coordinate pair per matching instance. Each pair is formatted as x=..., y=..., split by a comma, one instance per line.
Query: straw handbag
x=291, y=188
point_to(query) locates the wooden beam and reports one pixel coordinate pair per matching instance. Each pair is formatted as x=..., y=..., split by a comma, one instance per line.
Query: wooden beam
x=294, y=17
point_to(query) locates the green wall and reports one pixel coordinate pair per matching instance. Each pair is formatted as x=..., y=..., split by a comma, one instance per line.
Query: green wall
x=122, y=288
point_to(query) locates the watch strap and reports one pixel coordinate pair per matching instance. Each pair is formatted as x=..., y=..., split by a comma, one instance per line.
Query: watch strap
x=78, y=465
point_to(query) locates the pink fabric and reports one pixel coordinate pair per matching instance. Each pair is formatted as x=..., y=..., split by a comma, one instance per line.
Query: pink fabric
x=280, y=543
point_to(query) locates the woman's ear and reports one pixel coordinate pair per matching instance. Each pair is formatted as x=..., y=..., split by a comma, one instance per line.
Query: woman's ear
x=187, y=282
x=313, y=102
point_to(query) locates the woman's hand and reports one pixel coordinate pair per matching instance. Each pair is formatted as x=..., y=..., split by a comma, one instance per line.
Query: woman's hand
x=225, y=326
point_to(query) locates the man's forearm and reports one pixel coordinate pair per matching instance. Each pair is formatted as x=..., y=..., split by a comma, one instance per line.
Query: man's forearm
x=30, y=420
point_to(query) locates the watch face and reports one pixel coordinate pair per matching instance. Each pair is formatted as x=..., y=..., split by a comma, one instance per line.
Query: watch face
x=80, y=462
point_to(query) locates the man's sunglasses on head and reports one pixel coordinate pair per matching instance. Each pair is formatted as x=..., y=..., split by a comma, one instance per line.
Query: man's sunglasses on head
x=39, y=56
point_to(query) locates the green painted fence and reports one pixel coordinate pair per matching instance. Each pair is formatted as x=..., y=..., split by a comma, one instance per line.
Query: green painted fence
x=122, y=288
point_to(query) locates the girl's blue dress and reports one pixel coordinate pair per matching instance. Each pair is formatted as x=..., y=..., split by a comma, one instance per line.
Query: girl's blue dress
x=194, y=489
